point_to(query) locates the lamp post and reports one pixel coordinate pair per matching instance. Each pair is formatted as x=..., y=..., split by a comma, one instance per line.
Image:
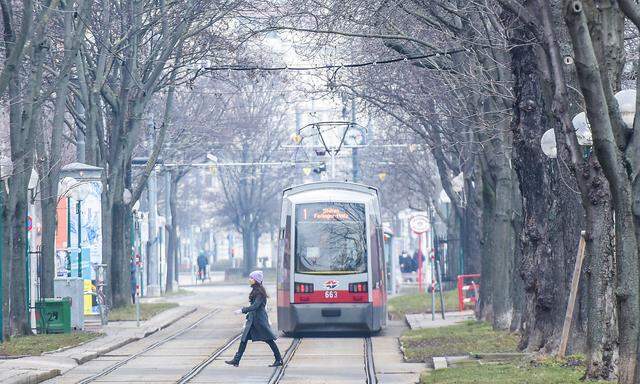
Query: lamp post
x=5, y=170
x=626, y=106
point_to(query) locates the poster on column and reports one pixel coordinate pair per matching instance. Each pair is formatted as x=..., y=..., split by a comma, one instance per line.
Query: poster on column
x=90, y=240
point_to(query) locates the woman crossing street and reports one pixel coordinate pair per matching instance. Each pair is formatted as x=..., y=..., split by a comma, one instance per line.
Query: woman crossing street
x=257, y=325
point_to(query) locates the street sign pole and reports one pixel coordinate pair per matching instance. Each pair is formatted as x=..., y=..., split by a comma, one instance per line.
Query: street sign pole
x=420, y=277
x=1, y=265
x=419, y=224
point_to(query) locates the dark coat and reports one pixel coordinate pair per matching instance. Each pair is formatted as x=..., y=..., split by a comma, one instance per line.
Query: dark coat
x=257, y=326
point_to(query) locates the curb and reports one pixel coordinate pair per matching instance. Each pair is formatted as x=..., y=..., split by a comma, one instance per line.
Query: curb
x=138, y=336
x=38, y=376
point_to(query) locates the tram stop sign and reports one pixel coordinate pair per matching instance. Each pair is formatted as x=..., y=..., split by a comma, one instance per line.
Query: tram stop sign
x=419, y=224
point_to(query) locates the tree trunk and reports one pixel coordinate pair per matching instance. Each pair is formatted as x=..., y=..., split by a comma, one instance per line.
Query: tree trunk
x=471, y=228
x=18, y=199
x=600, y=274
x=172, y=247
x=596, y=92
x=107, y=238
x=454, y=257
x=5, y=244
x=552, y=211
x=48, y=250
x=120, y=283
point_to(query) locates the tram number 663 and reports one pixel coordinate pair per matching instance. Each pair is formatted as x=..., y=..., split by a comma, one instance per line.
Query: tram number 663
x=330, y=294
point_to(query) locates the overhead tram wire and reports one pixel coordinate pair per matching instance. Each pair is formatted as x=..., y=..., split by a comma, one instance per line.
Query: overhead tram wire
x=330, y=66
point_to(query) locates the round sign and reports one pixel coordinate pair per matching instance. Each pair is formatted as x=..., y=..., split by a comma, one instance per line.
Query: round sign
x=29, y=223
x=419, y=223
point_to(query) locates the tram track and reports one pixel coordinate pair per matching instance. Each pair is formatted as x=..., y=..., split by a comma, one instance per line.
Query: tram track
x=278, y=373
x=151, y=347
x=369, y=365
x=215, y=355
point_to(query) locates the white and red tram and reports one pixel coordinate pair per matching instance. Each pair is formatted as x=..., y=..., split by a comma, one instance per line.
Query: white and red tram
x=331, y=264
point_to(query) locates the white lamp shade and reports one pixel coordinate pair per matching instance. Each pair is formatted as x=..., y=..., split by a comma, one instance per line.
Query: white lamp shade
x=627, y=105
x=583, y=129
x=548, y=144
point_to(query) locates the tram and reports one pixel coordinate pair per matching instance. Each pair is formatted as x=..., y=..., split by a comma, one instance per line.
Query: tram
x=331, y=266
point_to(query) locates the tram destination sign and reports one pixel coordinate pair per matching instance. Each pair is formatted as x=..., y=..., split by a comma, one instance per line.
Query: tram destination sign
x=419, y=224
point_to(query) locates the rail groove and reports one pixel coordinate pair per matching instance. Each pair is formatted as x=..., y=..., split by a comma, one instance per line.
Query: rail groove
x=369, y=366
x=278, y=373
x=149, y=348
x=198, y=368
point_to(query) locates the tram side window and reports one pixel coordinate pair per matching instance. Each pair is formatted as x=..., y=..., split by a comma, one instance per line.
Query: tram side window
x=331, y=237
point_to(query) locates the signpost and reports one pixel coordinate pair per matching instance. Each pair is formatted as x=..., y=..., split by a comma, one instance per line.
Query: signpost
x=419, y=224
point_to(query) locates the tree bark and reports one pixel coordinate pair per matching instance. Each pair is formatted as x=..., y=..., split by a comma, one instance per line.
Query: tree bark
x=614, y=168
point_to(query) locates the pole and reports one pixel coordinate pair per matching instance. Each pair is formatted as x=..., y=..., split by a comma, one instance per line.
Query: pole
x=432, y=268
x=439, y=282
x=1, y=265
x=68, y=236
x=333, y=165
x=419, y=262
x=355, y=159
x=575, y=281
x=153, y=289
x=167, y=215
x=78, y=211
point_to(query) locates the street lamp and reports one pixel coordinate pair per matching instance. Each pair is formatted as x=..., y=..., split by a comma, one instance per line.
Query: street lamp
x=548, y=144
x=583, y=129
x=627, y=105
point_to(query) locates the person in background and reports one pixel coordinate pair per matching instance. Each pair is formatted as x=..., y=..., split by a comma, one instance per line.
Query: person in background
x=202, y=265
x=257, y=327
x=416, y=262
x=405, y=262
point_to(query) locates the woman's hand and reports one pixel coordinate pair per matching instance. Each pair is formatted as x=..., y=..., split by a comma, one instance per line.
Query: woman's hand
x=238, y=311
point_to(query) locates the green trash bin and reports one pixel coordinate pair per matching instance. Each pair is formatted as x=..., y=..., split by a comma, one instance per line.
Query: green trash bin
x=53, y=315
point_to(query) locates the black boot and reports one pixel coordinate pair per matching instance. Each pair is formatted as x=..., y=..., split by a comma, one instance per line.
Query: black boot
x=236, y=359
x=276, y=354
x=235, y=362
x=277, y=363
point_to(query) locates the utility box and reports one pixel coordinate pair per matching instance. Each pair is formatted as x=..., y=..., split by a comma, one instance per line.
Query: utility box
x=72, y=287
x=53, y=315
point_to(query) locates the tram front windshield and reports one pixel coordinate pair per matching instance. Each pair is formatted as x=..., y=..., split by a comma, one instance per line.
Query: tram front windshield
x=331, y=238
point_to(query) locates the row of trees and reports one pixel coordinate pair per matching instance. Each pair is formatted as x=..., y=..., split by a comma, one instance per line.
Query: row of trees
x=492, y=78
x=89, y=76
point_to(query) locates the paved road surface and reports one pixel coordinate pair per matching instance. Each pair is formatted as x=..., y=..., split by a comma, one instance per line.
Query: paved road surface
x=170, y=354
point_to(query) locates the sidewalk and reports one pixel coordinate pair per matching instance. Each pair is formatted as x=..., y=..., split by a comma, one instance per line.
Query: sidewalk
x=424, y=320
x=35, y=369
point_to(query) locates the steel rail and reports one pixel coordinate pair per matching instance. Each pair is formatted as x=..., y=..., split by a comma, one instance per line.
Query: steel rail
x=198, y=368
x=369, y=366
x=149, y=348
x=278, y=373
